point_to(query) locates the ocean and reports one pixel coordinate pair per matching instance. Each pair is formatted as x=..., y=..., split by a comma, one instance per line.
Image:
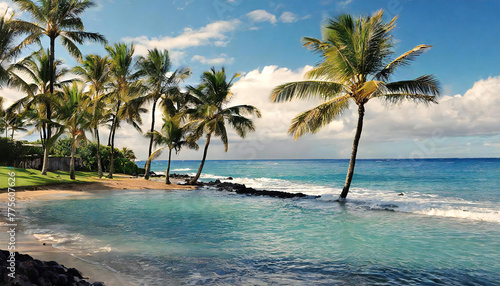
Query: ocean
x=406, y=222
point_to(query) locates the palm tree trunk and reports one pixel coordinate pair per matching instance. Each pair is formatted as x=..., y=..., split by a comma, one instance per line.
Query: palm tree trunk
x=112, y=159
x=72, y=160
x=195, y=179
x=167, y=174
x=352, y=163
x=148, y=166
x=112, y=137
x=98, y=155
x=45, y=164
x=51, y=64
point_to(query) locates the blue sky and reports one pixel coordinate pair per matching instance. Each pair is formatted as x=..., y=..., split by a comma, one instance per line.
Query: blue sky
x=261, y=40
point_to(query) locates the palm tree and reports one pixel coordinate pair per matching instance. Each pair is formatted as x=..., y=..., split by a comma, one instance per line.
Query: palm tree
x=3, y=120
x=32, y=75
x=212, y=114
x=95, y=71
x=124, y=92
x=16, y=122
x=160, y=82
x=57, y=19
x=173, y=136
x=355, y=68
x=128, y=153
x=9, y=30
x=73, y=113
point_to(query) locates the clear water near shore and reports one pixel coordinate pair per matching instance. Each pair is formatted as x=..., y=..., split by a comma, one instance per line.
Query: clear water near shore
x=445, y=229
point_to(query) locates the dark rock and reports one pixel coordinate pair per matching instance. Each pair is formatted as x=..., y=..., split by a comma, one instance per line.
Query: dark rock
x=229, y=178
x=401, y=194
x=242, y=189
x=74, y=272
x=33, y=272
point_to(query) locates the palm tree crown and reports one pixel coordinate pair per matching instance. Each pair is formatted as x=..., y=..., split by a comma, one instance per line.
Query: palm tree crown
x=355, y=68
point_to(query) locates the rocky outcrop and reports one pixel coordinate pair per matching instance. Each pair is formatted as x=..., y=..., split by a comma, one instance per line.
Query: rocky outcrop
x=30, y=272
x=242, y=189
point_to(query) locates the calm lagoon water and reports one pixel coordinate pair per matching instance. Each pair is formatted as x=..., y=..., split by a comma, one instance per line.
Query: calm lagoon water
x=444, y=229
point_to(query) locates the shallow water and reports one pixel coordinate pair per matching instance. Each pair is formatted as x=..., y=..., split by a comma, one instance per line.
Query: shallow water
x=218, y=238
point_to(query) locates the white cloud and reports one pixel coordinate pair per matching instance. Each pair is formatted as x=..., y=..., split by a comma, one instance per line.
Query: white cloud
x=344, y=3
x=215, y=33
x=7, y=7
x=262, y=16
x=222, y=59
x=288, y=17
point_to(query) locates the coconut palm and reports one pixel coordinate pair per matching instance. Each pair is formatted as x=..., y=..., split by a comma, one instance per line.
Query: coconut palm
x=73, y=112
x=57, y=19
x=125, y=88
x=32, y=75
x=160, y=83
x=95, y=71
x=211, y=114
x=9, y=30
x=16, y=122
x=356, y=68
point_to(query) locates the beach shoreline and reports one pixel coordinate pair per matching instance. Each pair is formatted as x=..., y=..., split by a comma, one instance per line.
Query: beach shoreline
x=43, y=250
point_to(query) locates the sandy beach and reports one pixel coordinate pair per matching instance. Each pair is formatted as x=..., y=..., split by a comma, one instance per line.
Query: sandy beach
x=28, y=244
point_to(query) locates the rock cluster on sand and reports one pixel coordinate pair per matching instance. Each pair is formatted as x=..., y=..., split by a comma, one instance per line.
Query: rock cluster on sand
x=30, y=272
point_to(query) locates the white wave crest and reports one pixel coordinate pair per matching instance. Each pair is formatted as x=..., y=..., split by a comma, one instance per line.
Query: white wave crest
x=181, y=170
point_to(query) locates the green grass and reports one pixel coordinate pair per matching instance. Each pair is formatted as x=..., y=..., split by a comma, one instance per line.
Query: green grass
x=31, y=177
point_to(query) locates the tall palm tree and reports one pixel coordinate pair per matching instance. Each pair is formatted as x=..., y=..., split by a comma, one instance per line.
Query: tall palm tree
x=173, y=136
x=212, y=114
x=58, y=19
x=355, y=68
x=160, y=82
x=95, y=71
x=124, y=91
x=16, y=122
x=32, y=75
x=72, y=111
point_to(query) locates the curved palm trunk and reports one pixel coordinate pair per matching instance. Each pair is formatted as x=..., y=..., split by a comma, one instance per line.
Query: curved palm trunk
x=98, y=155
x=113, y=131
x=195, y=179
x=167, y=174
x=72, y=160
x=352, y=163
x=45, y=164
x=148, y=165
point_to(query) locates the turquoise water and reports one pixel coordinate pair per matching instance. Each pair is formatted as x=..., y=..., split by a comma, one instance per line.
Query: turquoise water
x=445, y=229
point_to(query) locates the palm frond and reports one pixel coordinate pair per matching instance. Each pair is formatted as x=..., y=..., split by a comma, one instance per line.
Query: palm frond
x=312, y=120
x=403, y=60
x=306, y=90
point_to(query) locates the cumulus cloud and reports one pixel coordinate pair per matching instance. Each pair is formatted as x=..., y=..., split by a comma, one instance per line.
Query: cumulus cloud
x=222, y=59
x=261, y=16
x=215, y=33
x=288, y=17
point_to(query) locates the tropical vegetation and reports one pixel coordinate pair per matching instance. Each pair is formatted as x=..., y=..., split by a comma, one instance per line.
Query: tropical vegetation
x=356, y=67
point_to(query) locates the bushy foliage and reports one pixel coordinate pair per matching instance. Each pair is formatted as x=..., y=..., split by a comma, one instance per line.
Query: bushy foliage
x=12, y=151
x=88, y=154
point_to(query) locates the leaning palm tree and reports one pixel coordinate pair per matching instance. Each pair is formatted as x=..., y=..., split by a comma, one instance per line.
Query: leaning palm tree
x=73, y=114
x=57, y=19
x=211, y=114
x=172, y=136
x=95, y=71
x=160, y=83
x=355, y=68
x=125, y=90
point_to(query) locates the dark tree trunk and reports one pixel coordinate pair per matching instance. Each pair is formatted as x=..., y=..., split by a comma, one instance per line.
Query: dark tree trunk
x=167, y=174
x=51, y=65
x=98, y=155
x=195, y=179
x=72, y=160
x=148, y=165
x=113, y=131
x=45, y=164
x=352, y=163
